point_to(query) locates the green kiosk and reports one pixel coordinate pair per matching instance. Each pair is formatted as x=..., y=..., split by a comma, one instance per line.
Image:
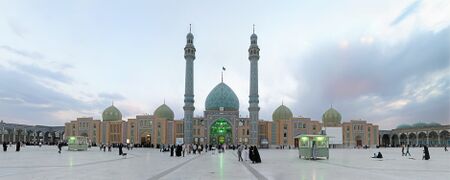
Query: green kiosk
x=313, y=146
x=77, y=143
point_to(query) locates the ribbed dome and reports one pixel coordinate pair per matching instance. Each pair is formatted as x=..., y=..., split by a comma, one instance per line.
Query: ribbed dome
x=222, y=96
x=331, y=117
x=282, y=113
x=164, y=112
x=111, y=114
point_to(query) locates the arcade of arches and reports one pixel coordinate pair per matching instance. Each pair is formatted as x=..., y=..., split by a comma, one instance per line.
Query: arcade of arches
x=434, y=137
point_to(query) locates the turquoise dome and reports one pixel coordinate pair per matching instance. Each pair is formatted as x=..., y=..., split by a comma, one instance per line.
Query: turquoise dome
x=282, y=113
x=222, y=96
x=331, y=117
x=164, y=112
x=111, y=114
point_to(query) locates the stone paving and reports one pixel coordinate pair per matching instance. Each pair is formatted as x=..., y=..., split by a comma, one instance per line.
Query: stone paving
x=45, y=163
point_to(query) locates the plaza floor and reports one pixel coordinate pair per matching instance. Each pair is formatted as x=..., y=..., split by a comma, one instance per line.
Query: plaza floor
x=46, y=163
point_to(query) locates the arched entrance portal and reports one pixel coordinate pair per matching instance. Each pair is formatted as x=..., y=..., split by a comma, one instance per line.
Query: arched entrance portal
x=146, y=139
x=221, y=132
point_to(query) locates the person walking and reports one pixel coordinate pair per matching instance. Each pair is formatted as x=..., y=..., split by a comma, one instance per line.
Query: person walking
x=5, y=146
x=403, y=150
x=407, y=151
x=245, y=153
x=256, y=154
x=426, y=153
x=239, y=152
x=18, y=146
x=171, y=150
x=251, y=155
x=445, y=148
x=59, y=147
x=120, y=149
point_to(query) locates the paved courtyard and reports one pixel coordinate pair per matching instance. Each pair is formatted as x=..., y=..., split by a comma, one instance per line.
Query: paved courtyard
x=46, y=163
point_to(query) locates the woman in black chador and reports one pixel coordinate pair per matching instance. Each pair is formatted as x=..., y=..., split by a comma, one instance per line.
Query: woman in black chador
x=120, y=149
x=5, y=146
x=257, y=158
x=178, y=151
x=18, y=146
x=251, y=153
x=171, y=150
x=426, y=153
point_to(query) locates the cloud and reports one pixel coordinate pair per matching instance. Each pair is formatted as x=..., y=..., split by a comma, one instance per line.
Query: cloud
x=377, y=81
x=111, y=96
x=38, y=71
x=32, y=55
x=17, y=28
x=407, y=12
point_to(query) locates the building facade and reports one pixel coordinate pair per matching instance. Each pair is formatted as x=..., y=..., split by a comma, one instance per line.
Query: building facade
x=221, y=122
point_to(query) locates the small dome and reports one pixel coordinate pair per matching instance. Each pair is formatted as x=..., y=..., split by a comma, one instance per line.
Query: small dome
x=282, y=113
x=222, y=96
x=253, y=36
x=190, y=36
x=403, y=126
x=164, y=112
x=331, y=117
x=111, y=114
x=420, y=125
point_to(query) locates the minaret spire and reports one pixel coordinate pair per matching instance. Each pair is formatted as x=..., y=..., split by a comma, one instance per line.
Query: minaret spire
x=253, y=56
x=189, y=56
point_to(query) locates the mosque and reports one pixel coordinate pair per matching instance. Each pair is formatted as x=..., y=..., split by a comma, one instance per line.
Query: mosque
x=221, y=122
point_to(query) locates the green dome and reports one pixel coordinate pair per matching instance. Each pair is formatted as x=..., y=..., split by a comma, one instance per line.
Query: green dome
x=420, y=125
x=331, y=117
x=164, y=112
x=111, y=114
x=222, y=96
x=404, y=126
x=282, y=113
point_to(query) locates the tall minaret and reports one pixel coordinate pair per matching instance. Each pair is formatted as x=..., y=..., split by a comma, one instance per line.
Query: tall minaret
x=253, y=56
x=189, y=56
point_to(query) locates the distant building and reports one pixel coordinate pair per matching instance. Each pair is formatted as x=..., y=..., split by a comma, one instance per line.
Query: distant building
x=30, y=134
x=418, y=134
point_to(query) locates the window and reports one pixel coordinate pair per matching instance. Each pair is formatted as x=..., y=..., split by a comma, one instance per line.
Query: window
x=284, y=135
x=248, y=132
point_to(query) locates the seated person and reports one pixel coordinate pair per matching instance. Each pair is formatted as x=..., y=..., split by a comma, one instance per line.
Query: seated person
x=379, y=156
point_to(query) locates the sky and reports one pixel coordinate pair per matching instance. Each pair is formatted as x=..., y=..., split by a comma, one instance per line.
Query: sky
x=383, y=61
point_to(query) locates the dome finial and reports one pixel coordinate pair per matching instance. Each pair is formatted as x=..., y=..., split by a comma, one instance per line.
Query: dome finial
x=223, y=69
x=112, y=103
x=253, y=28
x=282, y=101
x=164, y=101
x=190, y=27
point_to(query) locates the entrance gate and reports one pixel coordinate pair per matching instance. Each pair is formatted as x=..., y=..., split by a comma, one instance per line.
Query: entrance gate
x=221, y=132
